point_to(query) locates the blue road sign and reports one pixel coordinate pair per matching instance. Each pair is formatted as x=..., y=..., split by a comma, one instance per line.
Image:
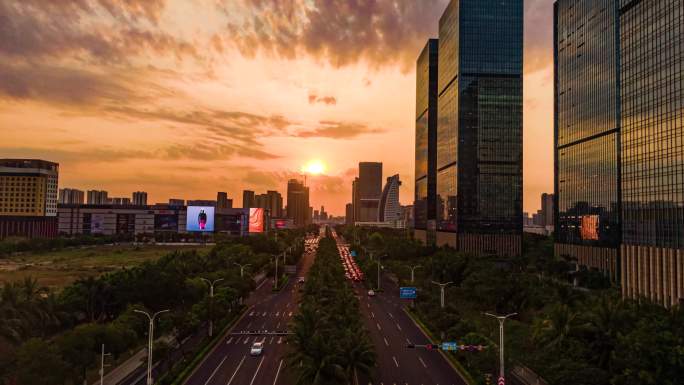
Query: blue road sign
x=353, y=253
x=407, y=292
x=449, y=346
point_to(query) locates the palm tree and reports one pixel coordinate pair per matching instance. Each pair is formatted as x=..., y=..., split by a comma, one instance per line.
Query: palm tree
x=557, y=327
x=606, y=318
x=357, y=353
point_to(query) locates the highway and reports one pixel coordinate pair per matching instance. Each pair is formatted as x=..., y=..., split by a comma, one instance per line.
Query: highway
x=230, y=362
x=391, y=330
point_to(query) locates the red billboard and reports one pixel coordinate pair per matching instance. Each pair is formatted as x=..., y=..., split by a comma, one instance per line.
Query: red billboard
x=256, y=220
x=589, y=227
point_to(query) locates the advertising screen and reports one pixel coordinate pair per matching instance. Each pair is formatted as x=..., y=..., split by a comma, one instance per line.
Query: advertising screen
x=200, y=218
x=164, y=222
x=97, y=223
x=256, y=220
x=281, y=224
x=589, y=227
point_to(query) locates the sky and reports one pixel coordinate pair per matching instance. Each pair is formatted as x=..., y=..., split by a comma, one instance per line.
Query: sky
x=186, y=98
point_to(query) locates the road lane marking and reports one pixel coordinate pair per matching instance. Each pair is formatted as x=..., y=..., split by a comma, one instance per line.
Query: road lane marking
x=236, y=370
x=263, y=326
x=386, y=343
x=245, y=341
x=257, y=370
x=280, y=339
x=247, y=327
x=408, y=341
x=378, y=325
x=237, y=341
x=290, y=315
x=398, y=327
x=278, y=372
x=271, y=341
x=395, y=361
x=229, y=340
x=390, y=314
x=372, y=315
x=277, y=314
x=278, y=326
x=251, y=313
x=422, y=362
x=264, y=315
x=216, y=370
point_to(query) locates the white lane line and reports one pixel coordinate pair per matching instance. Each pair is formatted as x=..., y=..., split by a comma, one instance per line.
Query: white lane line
x=257, y=370
x=236, y=370
x=280, y=340
x=277, y=314
x=278, y=326
x=398, y=327
x=290, y=315
x=271, y=341
x=378, y=325
x=251, y=313
x=246, y=327
x=264, y=315
x=386, y=343
x=395, y=361
x=390, y=314
x=263, y=326
x=422, y=362
x=237, y=341
x=368, y=304
x=278, y=372
x=408, y=341
x=215, y=370
x=245, y=341
x=372, y=315
x=229, y=340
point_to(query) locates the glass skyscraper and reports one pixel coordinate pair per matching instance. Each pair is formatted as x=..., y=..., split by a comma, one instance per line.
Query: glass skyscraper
x=619, y=141
x=426, y=139
x=479, y=127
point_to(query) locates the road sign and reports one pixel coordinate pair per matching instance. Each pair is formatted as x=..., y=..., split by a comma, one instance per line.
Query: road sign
x=407, y=292
x=449, y=346
x=353, y=253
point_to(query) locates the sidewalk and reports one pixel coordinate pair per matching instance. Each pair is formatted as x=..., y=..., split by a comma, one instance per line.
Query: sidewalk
x=119, y=373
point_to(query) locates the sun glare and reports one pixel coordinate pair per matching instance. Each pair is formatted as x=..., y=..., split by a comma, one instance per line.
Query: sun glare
x=314, y=167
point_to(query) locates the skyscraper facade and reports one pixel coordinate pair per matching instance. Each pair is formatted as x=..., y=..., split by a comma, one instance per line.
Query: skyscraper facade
x=426, y=139
x=618, y=139
x=390, y=209
x=69, y=196
x=140, y=198
x=369, y=189
x=247, y=199
x=298, y=208
x=547, y=209
x=349, y=214
x=479, y=128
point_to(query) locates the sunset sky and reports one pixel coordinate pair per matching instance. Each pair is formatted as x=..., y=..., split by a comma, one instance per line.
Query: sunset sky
x=184, y=98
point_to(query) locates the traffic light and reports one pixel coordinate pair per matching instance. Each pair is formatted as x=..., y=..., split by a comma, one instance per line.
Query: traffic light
x=410, y=346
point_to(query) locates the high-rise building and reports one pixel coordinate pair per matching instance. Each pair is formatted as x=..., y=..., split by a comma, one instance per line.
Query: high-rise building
x=271, y=201
x=426, y=140
x=222, y=201
x=28, y=198
x=547, y=209
x=97, y=197
x=140, y=198
x=298, y=208
x=175, y=202
x=390, y=209
x=369, y=189
x=247, y=199
x=618, y=142
x=349, y=214
x=70, y=196
x=479, y=130
x=120, y=201
x=356, y=203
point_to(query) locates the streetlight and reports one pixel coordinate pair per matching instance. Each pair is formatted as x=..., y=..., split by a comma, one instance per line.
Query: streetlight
x=242, y=268
x=441, y=287
x=103, y=354
x=211, y=302
x=150, y=340
x=413, y=268
x=501, y=319
x=379, y=266
x=275, y=280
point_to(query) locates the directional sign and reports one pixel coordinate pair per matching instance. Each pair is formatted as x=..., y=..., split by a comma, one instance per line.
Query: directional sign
x=353, y=253
x=501, y=381
x=407, y=292
x=449, y=346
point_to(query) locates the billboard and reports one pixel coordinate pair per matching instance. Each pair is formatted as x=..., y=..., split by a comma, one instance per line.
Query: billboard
x=166, y=222
x=589, y=227
x=200, y=218
x=97, y=223
x=256, y=220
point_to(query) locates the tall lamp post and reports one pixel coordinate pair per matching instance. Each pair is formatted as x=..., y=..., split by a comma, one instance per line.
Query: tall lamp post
x=413, y=269
x=275, y=280
x=211, y=302
x=242, y=268
x=501, y=319
x=102, y=365
x=441, y=287
x=150, y=340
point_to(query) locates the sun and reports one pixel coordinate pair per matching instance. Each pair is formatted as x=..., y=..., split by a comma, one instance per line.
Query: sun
x=314, y=167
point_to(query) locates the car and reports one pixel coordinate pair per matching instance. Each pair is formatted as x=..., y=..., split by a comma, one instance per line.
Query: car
x=257, y=349
x=300, y=280
x=371, y=293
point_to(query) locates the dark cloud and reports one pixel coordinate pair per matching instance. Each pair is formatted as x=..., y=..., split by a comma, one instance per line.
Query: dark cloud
x=328, y=100
x=338, y=130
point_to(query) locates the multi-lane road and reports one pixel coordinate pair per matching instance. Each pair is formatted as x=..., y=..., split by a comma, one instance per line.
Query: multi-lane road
x=230, y=363
x=391, y=331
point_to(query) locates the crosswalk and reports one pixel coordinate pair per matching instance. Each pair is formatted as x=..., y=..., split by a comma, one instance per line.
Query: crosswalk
x=276, y=314
x=267, y=340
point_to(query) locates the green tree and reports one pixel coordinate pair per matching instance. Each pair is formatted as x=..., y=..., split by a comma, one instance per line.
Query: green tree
x=39, y=363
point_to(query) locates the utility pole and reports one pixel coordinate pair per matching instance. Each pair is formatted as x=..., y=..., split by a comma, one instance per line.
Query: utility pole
x=501, y=319
x=441, y=287
x=150, y=341
x=413, y=268
x=102, y=365
x=242, y=268
x=211, y=302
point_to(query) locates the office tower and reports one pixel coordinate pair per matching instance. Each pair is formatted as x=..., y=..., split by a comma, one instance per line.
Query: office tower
x=298, y=208
x=547, y=209
x=176, y=202
x=316, y=216
x=479, y=130
x=390, y=209
x=247, y=199
x=28, y=198
x=97, y=197
x=222, y=201
x=140, y=198
x=349, y=214
x=356, y=204
x=618, y=143
x=426, y=140
x=70, y=196
x=274, y=203
x=369, y=188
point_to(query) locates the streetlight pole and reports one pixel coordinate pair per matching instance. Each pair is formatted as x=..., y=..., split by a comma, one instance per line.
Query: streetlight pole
x=102, y=355
x=441, y=287
x=150, y=340
x=275, y=281
x=242, y=268
x=211, y=302
x=501, y=319
x=413, y=268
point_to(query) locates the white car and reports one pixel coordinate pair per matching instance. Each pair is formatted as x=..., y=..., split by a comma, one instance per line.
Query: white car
x=371, y=293
x=257, y=349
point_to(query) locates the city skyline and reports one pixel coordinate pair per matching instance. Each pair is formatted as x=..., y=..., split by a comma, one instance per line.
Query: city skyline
x=170, y=99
